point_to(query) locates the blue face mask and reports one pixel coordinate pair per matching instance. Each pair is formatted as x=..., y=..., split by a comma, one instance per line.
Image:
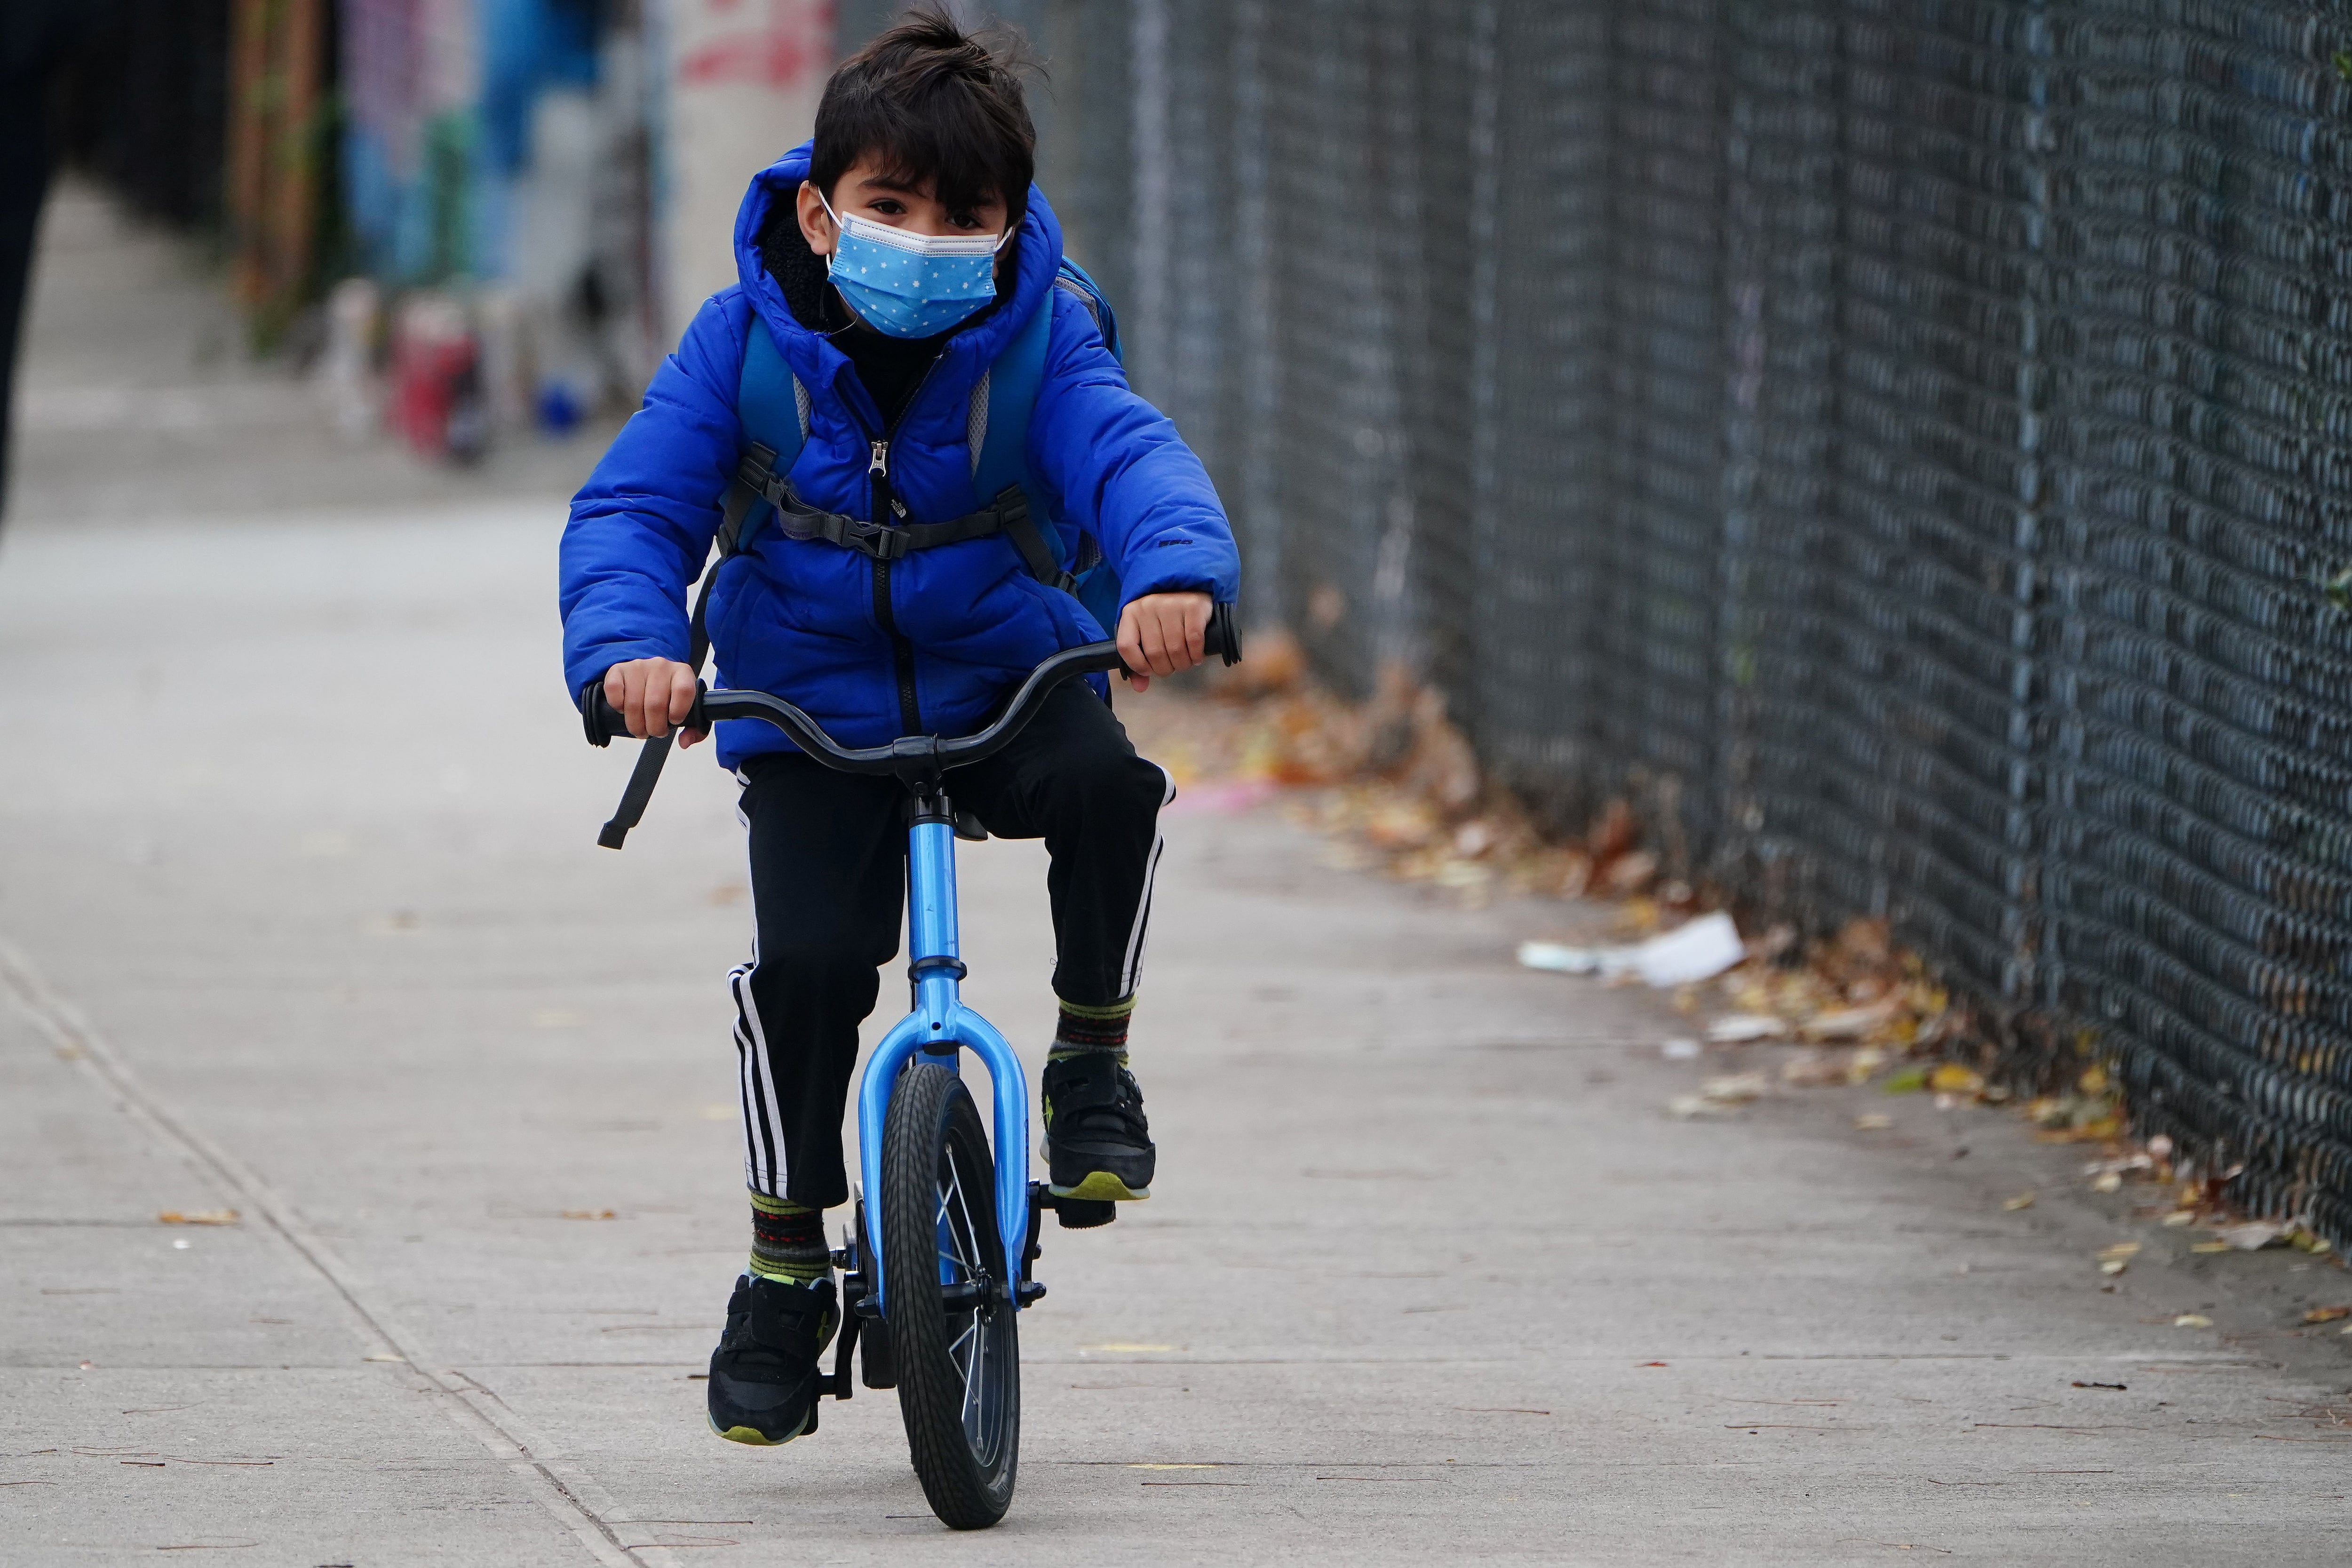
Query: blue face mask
x=912, y=285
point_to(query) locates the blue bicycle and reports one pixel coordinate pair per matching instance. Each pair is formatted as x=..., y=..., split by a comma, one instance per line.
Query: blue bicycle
x=938, y=1262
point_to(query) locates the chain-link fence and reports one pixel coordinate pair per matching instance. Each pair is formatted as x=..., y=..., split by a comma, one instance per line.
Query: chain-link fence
x=1902, y=443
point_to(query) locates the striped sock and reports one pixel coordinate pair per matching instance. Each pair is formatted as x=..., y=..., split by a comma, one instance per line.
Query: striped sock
x=1085, y=1030
x=787, y=1242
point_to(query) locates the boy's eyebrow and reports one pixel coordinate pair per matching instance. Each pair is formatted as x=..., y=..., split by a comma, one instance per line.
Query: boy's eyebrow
x=914, y=188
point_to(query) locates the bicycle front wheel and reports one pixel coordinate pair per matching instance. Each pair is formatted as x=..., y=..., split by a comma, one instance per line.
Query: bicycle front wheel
x=947, y=1307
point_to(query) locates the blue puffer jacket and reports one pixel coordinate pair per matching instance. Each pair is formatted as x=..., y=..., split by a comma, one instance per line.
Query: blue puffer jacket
x=801, y=619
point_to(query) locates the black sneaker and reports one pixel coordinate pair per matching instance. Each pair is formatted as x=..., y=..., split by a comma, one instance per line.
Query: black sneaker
x=1097, y=1142
x=763, y=1375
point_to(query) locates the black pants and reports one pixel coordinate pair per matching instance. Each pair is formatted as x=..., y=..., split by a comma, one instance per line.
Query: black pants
x=828, y=892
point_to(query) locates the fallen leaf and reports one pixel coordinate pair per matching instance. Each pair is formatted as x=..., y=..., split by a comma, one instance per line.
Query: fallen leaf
x=202, y=1217
x=1868, y=1061
x=2177, y=1218
x=2120, y=1250
x=1734, y=1089
x=1738, y=1028
x=1873, y=1121
x=589, y=1213
x=1850, y=1023
x=1651, y=1363
x=1679, y=1050
x=2327, y=1314
x=2208, y=1246
x=1814, y=1069
x=2113, y=1387
x=2251, y=1236
x=2114, y=1266
x=1910, y=1080
x=402, y=1359
x=2093, y=1081
x=1684, y=1107
x=2192, y=1321
x=1950, y=1077
x=2021, y=1200
x=2107, y=1182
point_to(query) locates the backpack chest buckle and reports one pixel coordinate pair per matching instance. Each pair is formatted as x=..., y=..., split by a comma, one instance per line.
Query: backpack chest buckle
x=879, y=541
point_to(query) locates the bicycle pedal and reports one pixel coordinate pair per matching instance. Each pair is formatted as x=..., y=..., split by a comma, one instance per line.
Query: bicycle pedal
x=1085, y=1214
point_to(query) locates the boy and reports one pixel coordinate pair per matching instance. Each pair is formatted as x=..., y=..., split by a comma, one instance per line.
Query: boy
x=890, y=260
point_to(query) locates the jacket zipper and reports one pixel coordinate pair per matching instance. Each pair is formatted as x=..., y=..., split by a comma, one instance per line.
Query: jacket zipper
x=882, y=504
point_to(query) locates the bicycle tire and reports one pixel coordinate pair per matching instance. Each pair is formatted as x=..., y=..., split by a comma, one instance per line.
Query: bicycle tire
x=958, y=1370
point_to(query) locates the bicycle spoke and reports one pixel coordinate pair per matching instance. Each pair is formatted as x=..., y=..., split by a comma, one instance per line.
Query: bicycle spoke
x=951, y=1194
x=972, y=1375
x=970, y=1229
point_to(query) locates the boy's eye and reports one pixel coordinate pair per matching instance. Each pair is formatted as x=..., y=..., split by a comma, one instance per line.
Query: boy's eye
x=965, y=220
x=887, y=207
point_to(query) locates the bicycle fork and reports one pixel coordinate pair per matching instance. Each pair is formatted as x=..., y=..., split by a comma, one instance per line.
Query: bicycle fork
x=935, y=1030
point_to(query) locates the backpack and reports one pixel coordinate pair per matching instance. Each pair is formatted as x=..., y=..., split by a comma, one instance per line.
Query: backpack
x=774, y=408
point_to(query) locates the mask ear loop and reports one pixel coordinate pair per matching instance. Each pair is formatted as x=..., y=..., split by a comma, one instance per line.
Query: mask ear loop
x=834, y=253
x=851, y=311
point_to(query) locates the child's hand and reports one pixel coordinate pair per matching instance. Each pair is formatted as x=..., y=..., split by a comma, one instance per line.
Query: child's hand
x=654, y=694
x=1160, y=634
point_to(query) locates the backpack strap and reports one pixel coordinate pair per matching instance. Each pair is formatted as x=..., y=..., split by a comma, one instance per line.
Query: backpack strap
x=998, y=432
x=773, y=407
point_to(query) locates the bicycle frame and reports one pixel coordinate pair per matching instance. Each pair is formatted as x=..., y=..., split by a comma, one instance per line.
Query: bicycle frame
x=939, y=1024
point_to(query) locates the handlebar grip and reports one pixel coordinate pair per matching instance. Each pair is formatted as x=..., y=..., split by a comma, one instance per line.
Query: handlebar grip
x=601, y=719
x=604, y=724
x=1224, y=635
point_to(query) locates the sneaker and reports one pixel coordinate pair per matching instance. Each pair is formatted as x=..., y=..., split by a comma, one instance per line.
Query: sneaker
x=763, y=1375
x=1097, y=1142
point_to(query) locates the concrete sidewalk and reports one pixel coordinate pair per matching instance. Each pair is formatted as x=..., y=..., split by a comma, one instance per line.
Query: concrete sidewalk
x=303, y=918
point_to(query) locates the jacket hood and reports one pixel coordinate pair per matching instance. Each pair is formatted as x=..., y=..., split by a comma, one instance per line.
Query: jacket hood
x=815, y=361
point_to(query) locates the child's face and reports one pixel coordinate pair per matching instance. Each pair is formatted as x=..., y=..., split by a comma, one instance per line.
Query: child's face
x=866, y=191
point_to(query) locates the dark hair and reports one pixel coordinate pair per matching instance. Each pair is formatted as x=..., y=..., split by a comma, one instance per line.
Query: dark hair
x=931, y=103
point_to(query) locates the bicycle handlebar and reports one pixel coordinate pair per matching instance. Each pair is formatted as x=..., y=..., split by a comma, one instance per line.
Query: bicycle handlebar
x=910, y=756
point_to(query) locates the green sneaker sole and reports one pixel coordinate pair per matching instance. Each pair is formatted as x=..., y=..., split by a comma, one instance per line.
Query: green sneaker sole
x=1101, y=1186
x=752, y=1436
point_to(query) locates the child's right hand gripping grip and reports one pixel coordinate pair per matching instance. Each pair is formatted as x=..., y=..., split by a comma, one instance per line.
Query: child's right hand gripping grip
x=604, y=724
x=1224, y=639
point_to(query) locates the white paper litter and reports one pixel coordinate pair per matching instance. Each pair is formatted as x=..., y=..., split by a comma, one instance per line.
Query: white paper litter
x=1696, y=950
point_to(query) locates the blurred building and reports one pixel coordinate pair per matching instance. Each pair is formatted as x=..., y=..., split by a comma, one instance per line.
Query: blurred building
x=566, y=171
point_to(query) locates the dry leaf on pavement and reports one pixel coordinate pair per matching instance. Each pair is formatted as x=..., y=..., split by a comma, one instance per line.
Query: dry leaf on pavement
x=1850, y=1023
x=2251, y=1236
x=1734, y=1089
x=202, y=1217
x=2192, y=1321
